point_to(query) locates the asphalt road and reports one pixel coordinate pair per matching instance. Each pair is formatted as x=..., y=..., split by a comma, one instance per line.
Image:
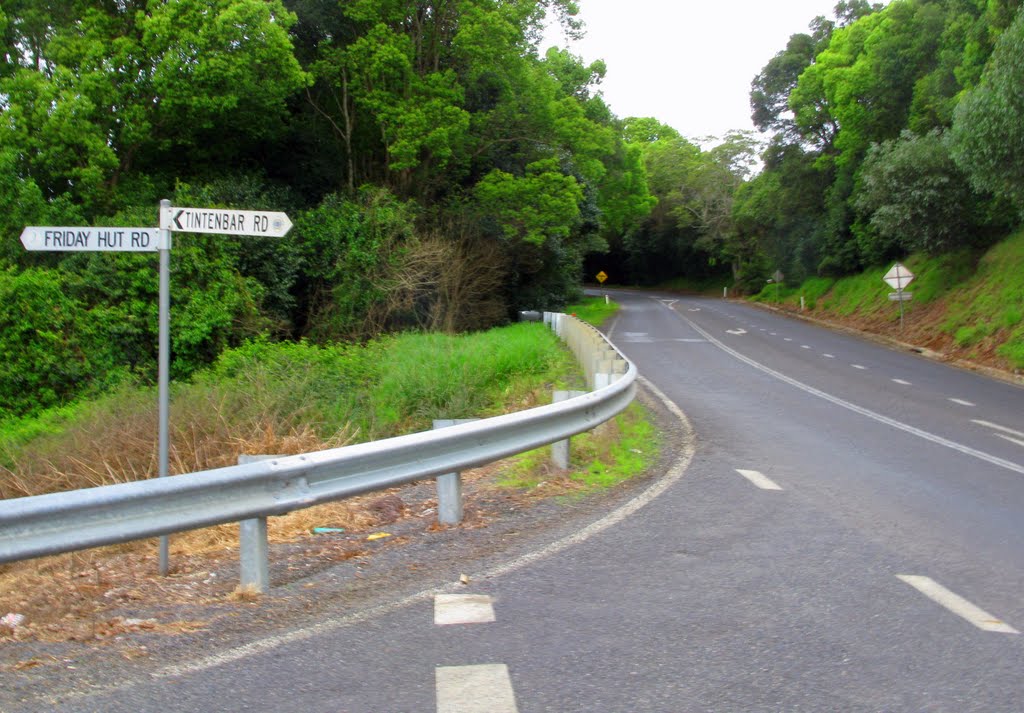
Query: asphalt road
x=844, y=533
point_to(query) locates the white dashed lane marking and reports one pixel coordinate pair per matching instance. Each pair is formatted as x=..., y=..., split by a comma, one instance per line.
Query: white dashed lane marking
x=828, y=356
x=485, y=688
x=997, y=427
x=858, y=366
x=463, y=609
x=957, y=604
x=759, y=479
x=962, y=402
x=901, y=382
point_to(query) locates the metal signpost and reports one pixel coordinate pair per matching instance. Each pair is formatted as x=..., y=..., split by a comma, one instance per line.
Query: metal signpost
x=899, y=277
x=778, y=277
x=185, y=220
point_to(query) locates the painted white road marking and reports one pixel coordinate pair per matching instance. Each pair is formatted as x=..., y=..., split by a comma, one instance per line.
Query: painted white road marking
x=858, y=366
x=787, y=339
x=774, y=334
x=997, y=427
x=804, y=346
x=485, y=688
x=1011, y=439
x=962, y=402
x=828, y=356
x=463, y=609
x=957, y=604
x=737, y=332
x=901, y=381
x=868, y=413
x=759, y=479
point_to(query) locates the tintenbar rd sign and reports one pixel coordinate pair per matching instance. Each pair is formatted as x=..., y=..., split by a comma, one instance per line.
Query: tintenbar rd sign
x=269, y=224
x=100, y=239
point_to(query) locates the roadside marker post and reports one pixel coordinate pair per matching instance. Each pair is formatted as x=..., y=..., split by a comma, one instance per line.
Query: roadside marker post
x=899, y=277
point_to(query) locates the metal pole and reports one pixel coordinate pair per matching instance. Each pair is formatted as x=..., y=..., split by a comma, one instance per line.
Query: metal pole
x=899, y=295
x=164, y=371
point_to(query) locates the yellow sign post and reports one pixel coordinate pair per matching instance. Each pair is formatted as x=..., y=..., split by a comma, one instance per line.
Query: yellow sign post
x=601, y=277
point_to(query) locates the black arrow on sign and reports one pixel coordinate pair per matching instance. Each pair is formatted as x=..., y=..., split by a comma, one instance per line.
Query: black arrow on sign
x=178, y=222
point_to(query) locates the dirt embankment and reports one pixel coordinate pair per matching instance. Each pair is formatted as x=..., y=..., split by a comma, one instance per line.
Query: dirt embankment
x=922, y=331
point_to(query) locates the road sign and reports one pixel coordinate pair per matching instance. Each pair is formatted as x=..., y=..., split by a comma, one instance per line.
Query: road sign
x=270, y=224
x=778, y=276
x=101, y=239
x=898, y=277
x=901, y=296
x=601, y=277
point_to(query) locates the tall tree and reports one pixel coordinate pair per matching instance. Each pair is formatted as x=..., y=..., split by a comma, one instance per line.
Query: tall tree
x=987, y=139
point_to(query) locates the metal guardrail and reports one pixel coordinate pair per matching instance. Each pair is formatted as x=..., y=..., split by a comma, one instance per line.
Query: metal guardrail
x=63, y=522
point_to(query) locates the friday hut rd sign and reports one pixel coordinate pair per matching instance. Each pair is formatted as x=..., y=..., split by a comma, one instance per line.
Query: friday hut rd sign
x=92, y=239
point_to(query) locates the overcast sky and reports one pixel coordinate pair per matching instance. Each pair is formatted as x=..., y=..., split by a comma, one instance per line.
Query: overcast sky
x=689, y=64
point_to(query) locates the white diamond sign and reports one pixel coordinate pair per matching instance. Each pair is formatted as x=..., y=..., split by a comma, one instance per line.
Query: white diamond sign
x=898, y=277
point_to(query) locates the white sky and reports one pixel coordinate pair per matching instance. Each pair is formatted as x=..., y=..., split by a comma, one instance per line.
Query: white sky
x=688, y=64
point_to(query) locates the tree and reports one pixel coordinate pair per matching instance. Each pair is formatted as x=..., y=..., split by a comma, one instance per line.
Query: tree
x=770, y=90
x=189, y=83
x=987, y=139
x=532, y=208
x=913, y=197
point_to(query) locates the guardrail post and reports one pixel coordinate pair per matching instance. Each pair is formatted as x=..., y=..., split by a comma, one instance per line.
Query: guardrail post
x=254, y=555
x=253, y=546
x=560, y=449
x=449, y=485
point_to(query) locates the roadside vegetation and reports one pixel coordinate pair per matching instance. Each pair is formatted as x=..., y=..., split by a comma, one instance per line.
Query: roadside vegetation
x=286, y=398
x=968, y=304
x=593, y=310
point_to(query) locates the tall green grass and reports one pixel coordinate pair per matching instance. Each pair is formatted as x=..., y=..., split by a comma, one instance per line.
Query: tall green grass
x=991, y=303
x=278, y=398
x=428, y=376
x=593, y=310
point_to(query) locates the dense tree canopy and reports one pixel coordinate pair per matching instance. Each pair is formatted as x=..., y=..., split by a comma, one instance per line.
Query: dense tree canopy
x=878, y=120
x=442, y=172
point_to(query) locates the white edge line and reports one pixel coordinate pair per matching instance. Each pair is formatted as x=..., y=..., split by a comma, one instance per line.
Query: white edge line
x=759, y=479
x=674, y=474
x=906, y=427
x=957, y=604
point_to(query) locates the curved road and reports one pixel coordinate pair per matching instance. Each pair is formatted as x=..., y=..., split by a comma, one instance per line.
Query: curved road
x=848, y=536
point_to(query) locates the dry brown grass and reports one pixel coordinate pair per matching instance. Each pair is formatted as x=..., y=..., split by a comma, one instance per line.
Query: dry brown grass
x=119, y=444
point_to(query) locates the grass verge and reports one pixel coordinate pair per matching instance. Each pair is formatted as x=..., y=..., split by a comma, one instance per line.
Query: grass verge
x=620, y=449
x=593, y=310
